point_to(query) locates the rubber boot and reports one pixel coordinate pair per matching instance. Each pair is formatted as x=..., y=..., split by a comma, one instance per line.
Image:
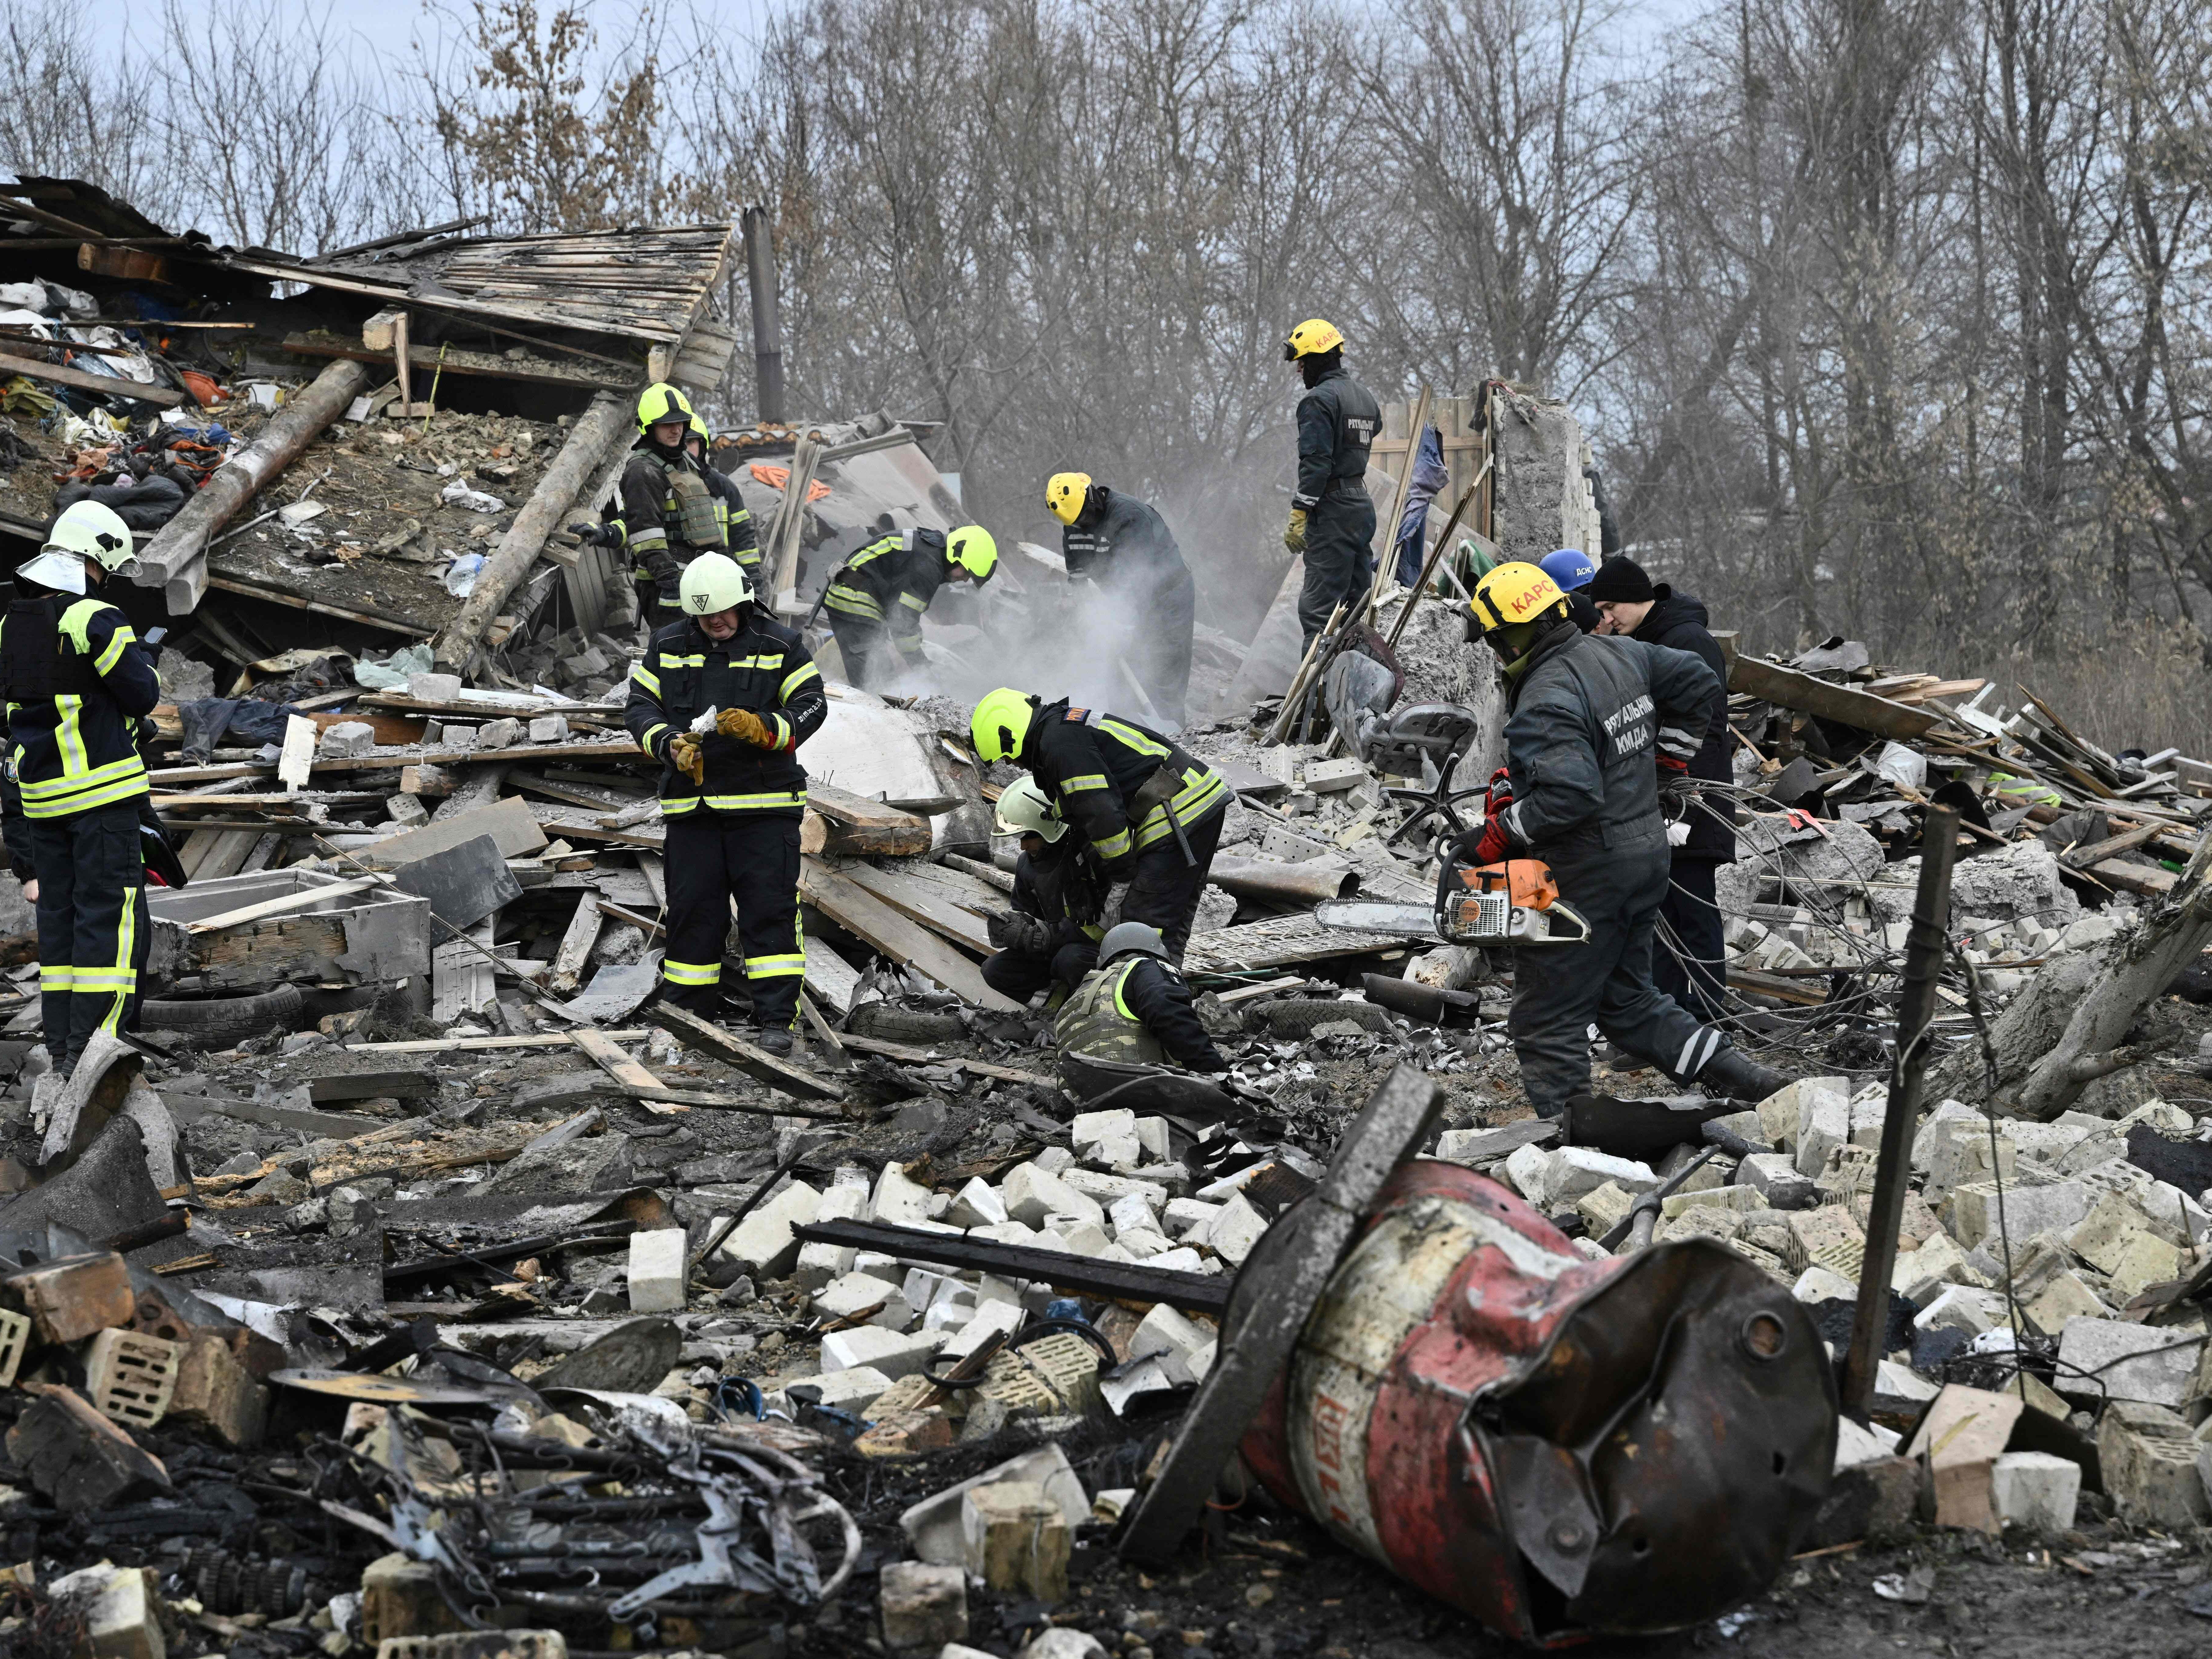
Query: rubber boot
x=775, y=1039
x=1733, y=1073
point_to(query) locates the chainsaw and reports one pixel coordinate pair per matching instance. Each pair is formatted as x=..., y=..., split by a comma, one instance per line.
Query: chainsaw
x=1511, y=906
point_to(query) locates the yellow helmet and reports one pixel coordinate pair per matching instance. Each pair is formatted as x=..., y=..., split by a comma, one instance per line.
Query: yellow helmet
x=1026, y=807
x=970, y=547
x=699, y=426
x=1313, y=336
x=1512, y=594
x=1001, y=724
x=1065, y=494
x=662, y=402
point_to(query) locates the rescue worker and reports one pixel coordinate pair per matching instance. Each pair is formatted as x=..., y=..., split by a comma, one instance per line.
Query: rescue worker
x=1125, y=547
x=738, y=540
x=1572, y=569
x=731, y=795
x=1151, y=811
x=876, y=599
x=1690, y=964
x=1130, y=1016
x=1050, y=937
x=1593, y=725
x=1332, y=518
x=670, y=512
x=78, y=683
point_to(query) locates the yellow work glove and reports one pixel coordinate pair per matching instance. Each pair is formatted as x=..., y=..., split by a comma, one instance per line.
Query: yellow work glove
x=1294, y=533
x=746, y=726
x=690, y=760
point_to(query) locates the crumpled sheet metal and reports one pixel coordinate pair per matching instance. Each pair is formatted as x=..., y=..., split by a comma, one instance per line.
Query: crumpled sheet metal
x=1556, y=1447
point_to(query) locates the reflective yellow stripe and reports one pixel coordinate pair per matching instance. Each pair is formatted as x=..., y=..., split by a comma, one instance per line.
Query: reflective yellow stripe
x=667, y=661
x=658, y=728
x=646, y=678
x=107, y=659
x=83, y=778
x=782, y=731
x=105, y=979
x=1121, y=983
x=776, y=661
x=1076, y=786
x=68, y=738
x=751, y=803
x=56, y=979
x=798, y=677
x=1129, y=735
x=128, y=789
x=853, y=603
x=671, y=806
x=775, y=967
x=691, y=973
x=913, y=603
x=1113, y=846
x=1197, y=799
x=651, y=538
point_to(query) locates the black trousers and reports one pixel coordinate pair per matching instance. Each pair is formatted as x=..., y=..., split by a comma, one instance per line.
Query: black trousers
x=750, y=859
x=92, y=927
x=1160, y=654
x=872, y=658
x=1339, y=560
x=1692, y=917
x=1020, y=975
x=1164, y=888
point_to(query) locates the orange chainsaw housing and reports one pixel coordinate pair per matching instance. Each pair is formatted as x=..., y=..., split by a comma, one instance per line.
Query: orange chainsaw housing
x=1527, y=883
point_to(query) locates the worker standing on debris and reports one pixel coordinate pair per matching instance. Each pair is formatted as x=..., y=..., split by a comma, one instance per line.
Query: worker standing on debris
x=1151, y=812
x=1132, y=1011
x=722, y=699
x=670, y=512
x=1592, y=726
x=877, y=598
x=78, y=683
x=1050, y=936
x=1123, y=546
x=1331, y=518
x=1691, y=964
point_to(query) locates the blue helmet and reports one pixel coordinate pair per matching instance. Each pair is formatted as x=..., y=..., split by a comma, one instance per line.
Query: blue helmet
x=1569, y=566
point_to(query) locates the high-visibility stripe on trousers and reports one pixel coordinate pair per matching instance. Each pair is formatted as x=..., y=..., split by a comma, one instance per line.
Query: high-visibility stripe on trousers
x=92, y=927
x=750, y=861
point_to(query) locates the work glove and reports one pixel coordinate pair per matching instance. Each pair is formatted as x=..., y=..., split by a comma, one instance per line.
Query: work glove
x=746, y=726
x=600, y=534
x=1492, y=845
x=1012, y=930
x=1109, y=913
x=1499, y=794
x=689, y=759
x=1294, y=533
x=1677, y=834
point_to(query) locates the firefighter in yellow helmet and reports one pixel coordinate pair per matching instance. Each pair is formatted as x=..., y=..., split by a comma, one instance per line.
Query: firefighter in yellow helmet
x=1332, y=518
x=1124, y=548
x=1597, y=729
x=877, y=598
x=78, y=683
x=670, y=514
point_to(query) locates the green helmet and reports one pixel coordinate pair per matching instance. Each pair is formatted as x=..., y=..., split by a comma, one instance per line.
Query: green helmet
x=971, y=548
x=662, y=402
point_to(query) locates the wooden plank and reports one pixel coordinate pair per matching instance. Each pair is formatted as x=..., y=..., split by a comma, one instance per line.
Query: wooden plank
x=916, y=900
x=623, y=1070
x=831, y=980
x=271, y=907
x=228, y=855
x=1279, y=942
x=490, y=1044
x=107, y=384
x=655, y=869
x=1771, y=682
x=863, y=915
x=908, y=1055
x=2139, y=878
x=583, y=932
x=703, y=1036
x=298, y=757
x=615, y=750
x=845, y=823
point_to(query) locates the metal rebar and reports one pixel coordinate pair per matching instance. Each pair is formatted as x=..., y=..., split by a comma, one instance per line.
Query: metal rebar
x=1916, y=1008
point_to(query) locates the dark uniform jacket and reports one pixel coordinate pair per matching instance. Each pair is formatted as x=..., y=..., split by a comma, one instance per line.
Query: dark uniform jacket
x=1679, y=622
x=743, y=543
x=1126, y=543
x=1093, y=764
x=890, y=582
x=1136, y=1010
x=653, y=523
x=764, y=666
x=1584, y=720
x=1059, y=886
x=1338, y=421
x=77, y=681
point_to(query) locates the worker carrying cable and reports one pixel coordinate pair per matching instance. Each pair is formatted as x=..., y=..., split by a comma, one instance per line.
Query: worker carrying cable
x=1125, y=549
x=1151, y=811
x=877, y=598
x=722, y=699
x=1331, y=517
x=78, y=685
x=1596, y=729
x=1131, y=1015
x=669, y=511
x=1050, y=936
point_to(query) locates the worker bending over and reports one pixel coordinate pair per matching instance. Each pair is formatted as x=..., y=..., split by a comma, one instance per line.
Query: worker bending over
x=877, y=598
x=1593, y=725
x=722, y=699
x=1050, y=937
x=78, y=683
x=670, y=514
x=1151, y=812
x=1124, y=546
x=1130, y=1016
x=1332, y=518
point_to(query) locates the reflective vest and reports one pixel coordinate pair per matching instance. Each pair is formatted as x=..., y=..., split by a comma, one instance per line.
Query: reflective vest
x=1098, y=1024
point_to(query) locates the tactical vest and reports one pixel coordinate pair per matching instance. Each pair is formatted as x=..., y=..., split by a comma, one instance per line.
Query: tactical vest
x=1098, y=1024
x=37, y=664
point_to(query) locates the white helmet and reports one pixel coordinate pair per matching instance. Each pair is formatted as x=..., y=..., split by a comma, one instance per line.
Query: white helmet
x=1023, y=806
x=712, y=582
x=94, y=531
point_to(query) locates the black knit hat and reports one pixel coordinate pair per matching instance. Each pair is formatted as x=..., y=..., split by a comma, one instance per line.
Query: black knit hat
x=1619, y=579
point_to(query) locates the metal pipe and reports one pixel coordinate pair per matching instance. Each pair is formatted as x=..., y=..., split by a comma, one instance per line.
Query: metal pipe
x=1916, y=1008
x=1306, y=883
x=767, y=324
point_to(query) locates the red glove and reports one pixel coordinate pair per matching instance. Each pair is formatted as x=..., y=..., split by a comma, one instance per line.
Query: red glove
x=1499, y=795
x=1669, y=767
x=1491, y=846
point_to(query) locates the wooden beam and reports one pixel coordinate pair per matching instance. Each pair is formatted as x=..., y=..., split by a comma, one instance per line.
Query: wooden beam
x=863, y=915
x=852, y=825
x=583, y=932
x=932, y=910
x=623, y=1070
x=77, y=379
x=907, y=1054
x=703, y=1036
x=1771, y=682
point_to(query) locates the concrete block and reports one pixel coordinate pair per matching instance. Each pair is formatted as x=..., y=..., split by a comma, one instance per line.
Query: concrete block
x=1742, y=1199
x=817, y=1264
x=216, y=1394
x=1131, y=1214
x=1032, y=1192
x=898, y=1201
x=1783, y=1113
x=2036, y=1491
x=1089, y=1128
x=457, y=736
x=1812, y=1231
x=1819, y=1284
x=1970, y=1212
x=1185, y=1216
x=1105, y=1187
x=400, y=1598
x=994, y=1316
x=1579, y=1169
x=1529, y=1170
x=131, y=1377
x=762, y=1244
x=1603, y=1209
x=345, y=740
x=1055, y=1160
x=853, y=1389
x=1082, y=1238
x=2146, y=1260
x=499, y=734
x=121, y=1619
x=852, y=1295
x=406, y=811
x=1015, y=1540
x=895, y=1354
x=549, y=728
x=1774, y=1175
x=1174, y=1338
x=921, y=1606
x=1152, y=1136
x=1962, y=1308
x=2102, y=1237
x=1143, y=1246
x=435, y=688
x=2064, y=1297
x=1824, y=1123
x=2148, y=1463
x=2133, y=1362
x=1235, y=1231
x=1932, y=1127
x=975, y=1205
x=657, y=1272
x=68, y=1298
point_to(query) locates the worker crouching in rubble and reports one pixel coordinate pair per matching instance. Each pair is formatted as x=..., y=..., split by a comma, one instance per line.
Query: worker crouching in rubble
x=877, y=599
x=1050, y=937
x=1130, y=1017
x=1594, y=724
x=1151, y=812
x=78, y=683
x=732, y=796
x=1124, y=548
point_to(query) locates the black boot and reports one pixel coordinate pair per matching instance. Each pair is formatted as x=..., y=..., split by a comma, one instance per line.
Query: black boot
x=776, y=1039
x=1733, y=1073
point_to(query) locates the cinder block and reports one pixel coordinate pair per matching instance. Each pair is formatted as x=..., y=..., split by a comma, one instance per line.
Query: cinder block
x=346, y=739
x=2103, y=1237
x=922, y=1606
x=498, y=733
x=657, y=1270
x=2131, y=1362
x=2036, y=1491
x=214, y=1392
x=400, y=1598
x=853, y=1389
x=898, y=1201
x=1774, y=1175
x=1603, y=1209
x=434, y=687
x=1824, y=1123
x=2145, y=1260
x=2064, y=1298
x=1783, y=1115
x=1741, y=1199
x=1089, y=1128
x=1579, y=1169
x=817, y=1264
x=1032, y=1192
x=762, y=1243
x=68, y=1298
x=457, y=736
x=1811, y=1231
x=1131, y=1214
x=1972, y=1212
x=549, y=728
x=975, y=1205
x=1235, y=1231
x=1152, y=1136
x=1174, y=1338
x=1185, y=1216
x=1015, y=1540
x=2149, y=1465
x=852, y=1295
x=895, y=1354
x=132, y=1378
x=994, y=1316
x=122, y=1619
x=406, y=811
x=1529, y=1170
